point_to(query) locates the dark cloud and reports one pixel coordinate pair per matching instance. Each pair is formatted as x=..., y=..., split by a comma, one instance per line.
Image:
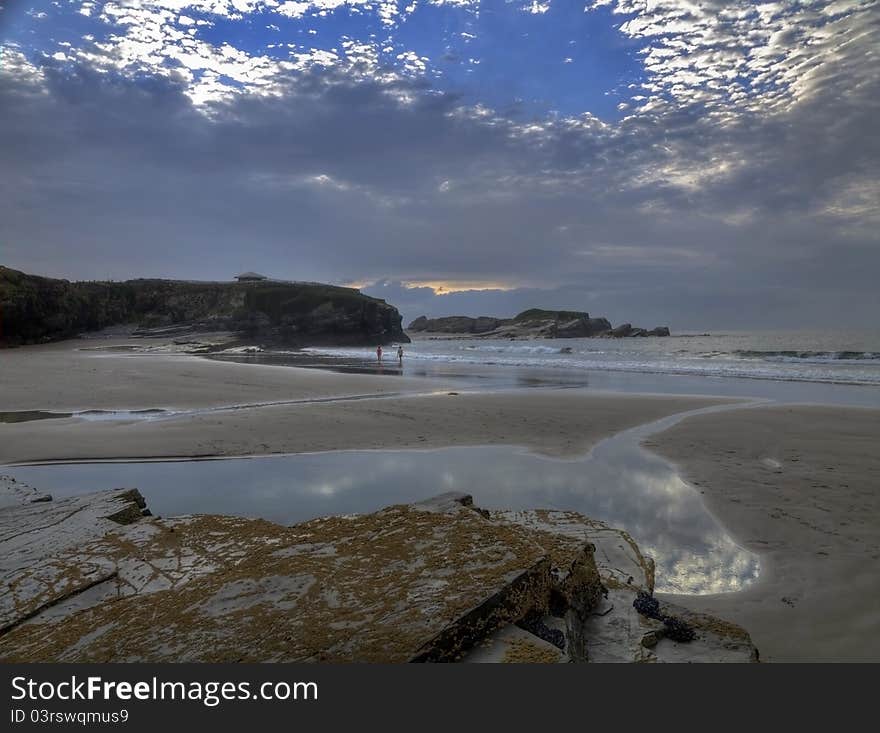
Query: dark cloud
x=673, y=216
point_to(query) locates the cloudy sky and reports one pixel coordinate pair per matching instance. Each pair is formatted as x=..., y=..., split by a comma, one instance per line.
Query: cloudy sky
x=700, y=163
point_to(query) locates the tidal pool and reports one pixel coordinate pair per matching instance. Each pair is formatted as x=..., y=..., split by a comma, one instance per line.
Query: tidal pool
x=618, y=483
x=18, y=416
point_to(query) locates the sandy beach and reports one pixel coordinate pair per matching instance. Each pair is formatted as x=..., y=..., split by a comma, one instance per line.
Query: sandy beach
x=402, y=413
x=798, y=485
x=90, y=374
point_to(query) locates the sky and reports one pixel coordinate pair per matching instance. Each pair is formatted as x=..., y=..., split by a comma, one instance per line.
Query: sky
x=701, y=164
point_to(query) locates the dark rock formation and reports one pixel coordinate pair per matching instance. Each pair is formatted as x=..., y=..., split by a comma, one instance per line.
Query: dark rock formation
x=455, y=324
x=582, y=327
x=539, y=314
x=532, y=323
x=599, y=325
x=484, y=324
x=37, y=309
x=628, y=330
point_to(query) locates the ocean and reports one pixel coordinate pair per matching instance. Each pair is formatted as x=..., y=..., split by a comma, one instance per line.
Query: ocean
x=818, y=366
x=814, y=357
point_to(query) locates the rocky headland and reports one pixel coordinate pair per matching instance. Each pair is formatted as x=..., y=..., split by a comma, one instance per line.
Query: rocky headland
x=96, y=578
x=535, y=323
x=37, y=309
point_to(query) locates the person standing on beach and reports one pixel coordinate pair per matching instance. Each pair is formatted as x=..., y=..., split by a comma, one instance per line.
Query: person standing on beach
x=400, y=355
x=379, y=352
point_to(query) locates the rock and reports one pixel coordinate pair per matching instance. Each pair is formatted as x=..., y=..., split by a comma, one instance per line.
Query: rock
x=513, y=645
x=534, y=323
x=440, y=580
x=405, y=583
x=617, y=556
x=613, y=631
x=582, y=328
x=577, y=328
x=627, y=330
x=484, y=324
x=455, y=324
x=598, y=326
x=618, y=633
x=34, y=535
x=446, y=502
x=539, y=314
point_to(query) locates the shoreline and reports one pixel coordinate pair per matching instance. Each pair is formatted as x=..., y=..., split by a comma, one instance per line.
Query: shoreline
x=54, y=377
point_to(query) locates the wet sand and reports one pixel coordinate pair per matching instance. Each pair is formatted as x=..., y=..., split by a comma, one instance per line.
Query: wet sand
x=74, y=375
x=403, y=414
x=801, y=486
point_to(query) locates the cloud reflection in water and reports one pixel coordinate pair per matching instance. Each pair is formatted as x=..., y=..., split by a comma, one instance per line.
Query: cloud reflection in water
x=617, y=484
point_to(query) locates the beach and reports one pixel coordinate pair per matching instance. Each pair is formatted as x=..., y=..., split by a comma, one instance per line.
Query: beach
x=362, y=411
x=796, y=485
x=101, y=375
x=800, y=486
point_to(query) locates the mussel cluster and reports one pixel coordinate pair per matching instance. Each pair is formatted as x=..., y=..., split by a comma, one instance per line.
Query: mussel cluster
x=674, y=628
x=534, y=624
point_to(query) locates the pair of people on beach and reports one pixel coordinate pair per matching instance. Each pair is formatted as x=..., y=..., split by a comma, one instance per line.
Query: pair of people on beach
x=399, y=353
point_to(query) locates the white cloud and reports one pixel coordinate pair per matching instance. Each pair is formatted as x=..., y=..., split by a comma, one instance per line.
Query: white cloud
x=412, y=62
x=387, y=10
x=15, y=66
x=537, y=8
x=734, y=57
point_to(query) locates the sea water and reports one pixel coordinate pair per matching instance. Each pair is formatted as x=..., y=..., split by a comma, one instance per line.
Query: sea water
x=822, y=367
x=829, y=357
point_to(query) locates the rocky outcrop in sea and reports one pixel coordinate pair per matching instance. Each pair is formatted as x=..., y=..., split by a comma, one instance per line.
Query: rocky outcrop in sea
x=532, y=324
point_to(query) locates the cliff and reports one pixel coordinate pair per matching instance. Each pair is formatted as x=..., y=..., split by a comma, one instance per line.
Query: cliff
x=37, y=309
x=532, y=323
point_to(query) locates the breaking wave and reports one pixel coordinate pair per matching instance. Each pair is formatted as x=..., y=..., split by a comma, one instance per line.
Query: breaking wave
x=834, y=367
x=807, y=356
